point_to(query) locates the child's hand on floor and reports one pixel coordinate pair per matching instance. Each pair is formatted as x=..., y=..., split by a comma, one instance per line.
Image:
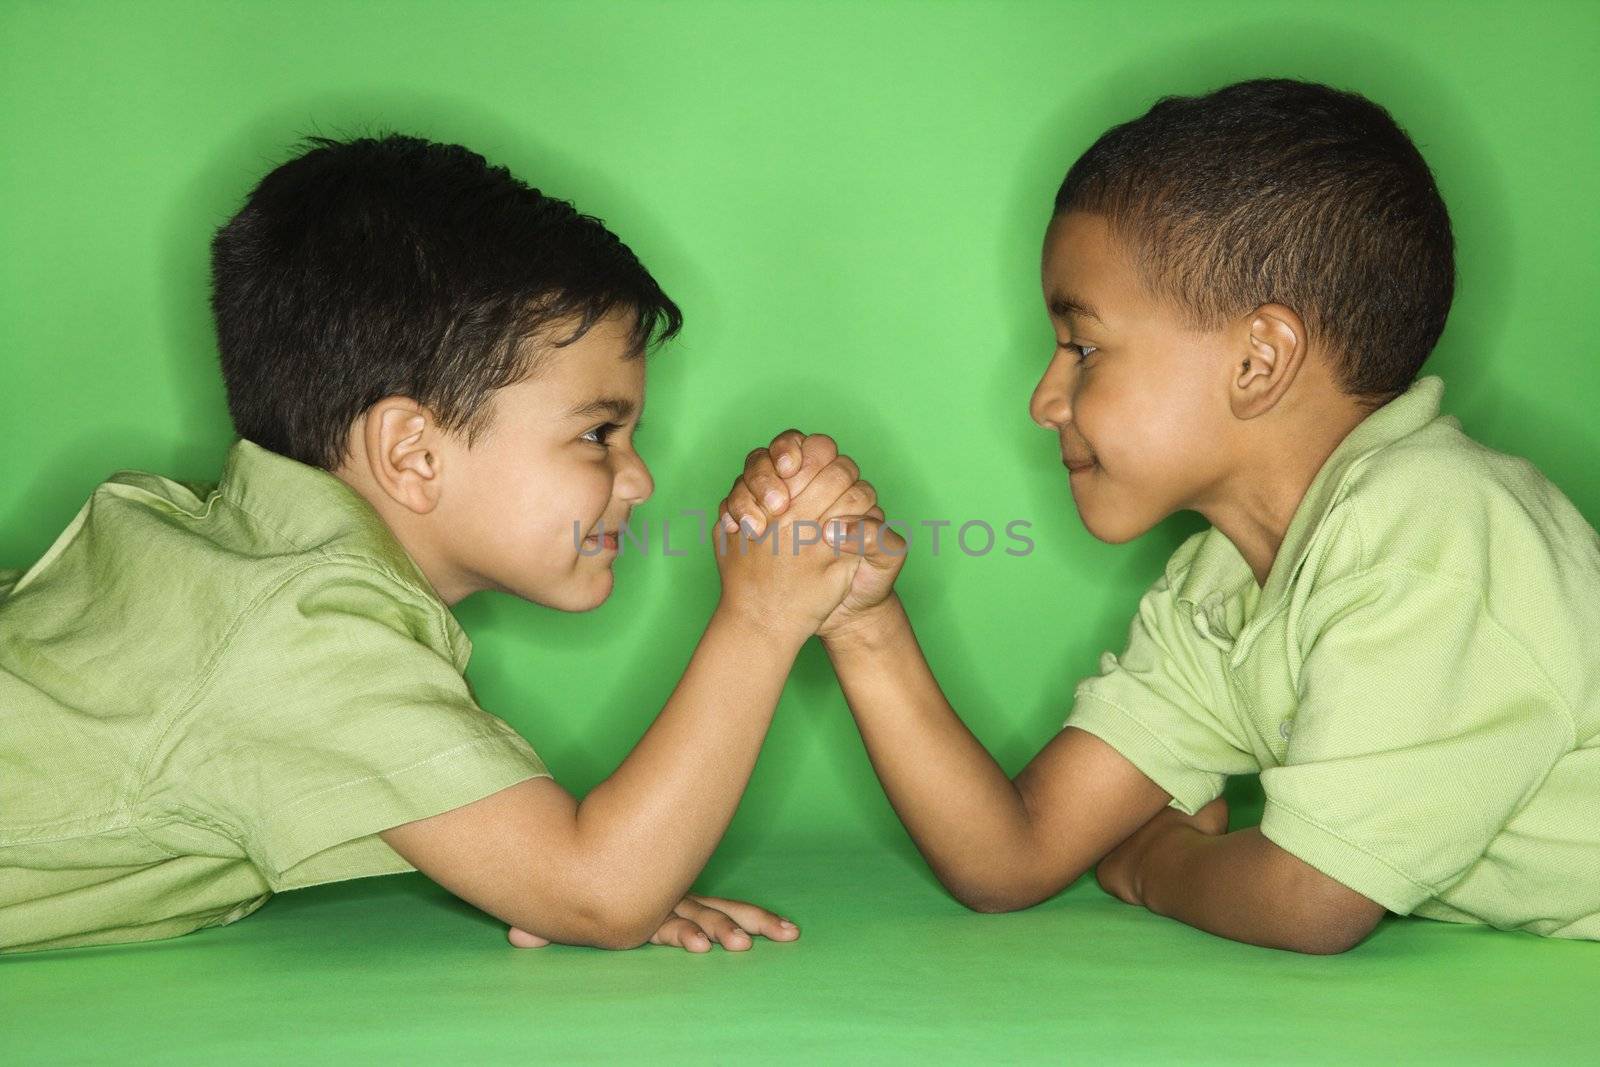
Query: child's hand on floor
x=699, y=922
x=778, y=474
x=1120, y=873
x=791, y=570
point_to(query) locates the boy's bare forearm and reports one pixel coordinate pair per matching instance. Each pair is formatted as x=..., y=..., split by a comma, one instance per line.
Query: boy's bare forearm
x=965, y=815
x=649, y=828
x=1244, y=887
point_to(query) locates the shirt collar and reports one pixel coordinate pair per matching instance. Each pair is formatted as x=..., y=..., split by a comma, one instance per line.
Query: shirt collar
x=313, y=507
x=1218, y=571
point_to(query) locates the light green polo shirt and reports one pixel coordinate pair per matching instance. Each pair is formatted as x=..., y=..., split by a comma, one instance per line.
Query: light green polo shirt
x=212, y=692
x=1417, y=682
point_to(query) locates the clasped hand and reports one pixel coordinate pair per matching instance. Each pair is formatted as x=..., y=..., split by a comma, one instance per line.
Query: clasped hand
x=801, y=485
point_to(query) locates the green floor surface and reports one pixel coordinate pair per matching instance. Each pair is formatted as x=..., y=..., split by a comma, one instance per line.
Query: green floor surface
x=888, y=969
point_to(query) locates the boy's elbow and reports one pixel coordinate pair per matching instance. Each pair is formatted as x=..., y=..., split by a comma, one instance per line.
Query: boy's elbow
x=1335, y=924
x=595, y=933
x=600, y=923
x=995, y=894
x=620, y=928
x=1011, y=875
x=1327, y=942
x=991, y=904
x=619, y=938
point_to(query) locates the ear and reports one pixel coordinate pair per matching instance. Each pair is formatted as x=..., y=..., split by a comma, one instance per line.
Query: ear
x=403, y=452
x=1270, y=349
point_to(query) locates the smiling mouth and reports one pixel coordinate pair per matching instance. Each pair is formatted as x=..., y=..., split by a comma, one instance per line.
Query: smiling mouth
x=609, y=540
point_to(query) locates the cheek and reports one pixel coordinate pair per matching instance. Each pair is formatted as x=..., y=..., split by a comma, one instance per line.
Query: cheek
x=1183, y=426
x=585, y=496
x=1151, y=425
x=598, y=487
x=542, y=512
x=1110, y=417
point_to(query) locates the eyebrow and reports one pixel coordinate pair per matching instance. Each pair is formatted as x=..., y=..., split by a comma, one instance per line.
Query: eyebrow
x=1064, y=306
x=618, y=408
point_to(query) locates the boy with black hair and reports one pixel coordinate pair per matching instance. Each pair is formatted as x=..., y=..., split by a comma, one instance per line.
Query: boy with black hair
x=210, y=693
x=1389, y=621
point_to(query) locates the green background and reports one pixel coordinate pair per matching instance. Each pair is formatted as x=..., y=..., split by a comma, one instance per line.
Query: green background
x=847, y=200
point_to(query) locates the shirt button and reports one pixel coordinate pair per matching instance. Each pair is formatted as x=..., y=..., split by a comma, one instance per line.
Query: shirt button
x=1283, y=729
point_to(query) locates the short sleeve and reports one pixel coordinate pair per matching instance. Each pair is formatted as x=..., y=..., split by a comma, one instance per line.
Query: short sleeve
x=1163, y=704
x=1422, y=726
x=335, y=712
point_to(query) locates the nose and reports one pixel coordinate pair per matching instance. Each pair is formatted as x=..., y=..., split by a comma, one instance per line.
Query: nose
x=1051, y=403
x=633, y=481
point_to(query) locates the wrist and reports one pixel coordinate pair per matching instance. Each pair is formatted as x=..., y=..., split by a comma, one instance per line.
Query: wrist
x=868, y=631
x=769, y=628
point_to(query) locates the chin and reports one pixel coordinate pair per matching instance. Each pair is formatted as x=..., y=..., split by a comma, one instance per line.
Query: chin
x=1113, y=532
x=579, y=593
x=602, y=595
x=593, y=593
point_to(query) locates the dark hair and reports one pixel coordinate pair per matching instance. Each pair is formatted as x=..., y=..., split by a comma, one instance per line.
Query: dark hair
x=1277, y=190
x=393, y=265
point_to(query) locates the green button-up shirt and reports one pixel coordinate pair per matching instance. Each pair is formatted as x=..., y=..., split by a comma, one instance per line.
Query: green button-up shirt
x=1417, y=682
x=212, y=692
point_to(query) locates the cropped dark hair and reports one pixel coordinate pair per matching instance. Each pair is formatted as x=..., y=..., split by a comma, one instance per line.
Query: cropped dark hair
x=1278, y=190
x=393, y=265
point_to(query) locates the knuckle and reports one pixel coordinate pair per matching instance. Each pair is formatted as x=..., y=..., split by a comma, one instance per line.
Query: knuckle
x=837, y=479
x=857, y=498
x=820, y=444
x=753, y=457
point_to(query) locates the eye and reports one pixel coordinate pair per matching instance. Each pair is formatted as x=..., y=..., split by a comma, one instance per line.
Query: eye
x=601, y=434
x=1082, y=351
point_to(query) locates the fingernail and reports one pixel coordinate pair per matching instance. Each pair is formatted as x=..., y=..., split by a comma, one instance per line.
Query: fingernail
x=729, y=525
x=786, y=923
x=785, y=464
x=774, y=499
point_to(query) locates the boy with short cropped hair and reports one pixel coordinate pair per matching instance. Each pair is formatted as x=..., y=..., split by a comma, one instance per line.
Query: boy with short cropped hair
x=214, y=692
x=1389, y=621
